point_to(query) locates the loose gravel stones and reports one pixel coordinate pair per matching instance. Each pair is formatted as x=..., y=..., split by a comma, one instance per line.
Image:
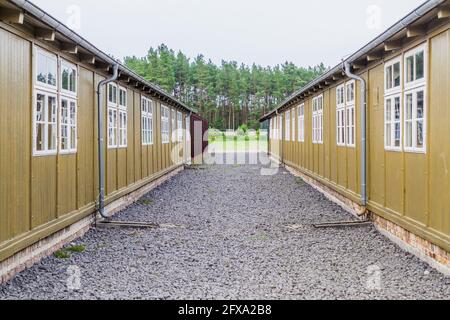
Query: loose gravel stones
x=228, y=232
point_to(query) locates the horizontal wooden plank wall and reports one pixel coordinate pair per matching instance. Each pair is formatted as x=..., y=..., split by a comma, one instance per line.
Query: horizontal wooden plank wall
x=410, y=189
x=42, y=195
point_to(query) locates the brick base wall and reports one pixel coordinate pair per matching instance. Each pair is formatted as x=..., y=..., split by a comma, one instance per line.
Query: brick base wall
x=435, y=256
x=347, y=204
x=49, y=245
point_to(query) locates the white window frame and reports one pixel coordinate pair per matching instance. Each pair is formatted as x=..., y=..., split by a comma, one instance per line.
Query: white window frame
x=112, y=128
x=68, y=125
x=112, y=85
x=112, y=125
x=165, y=123
x=301, y=122
x=350, y=122
x=340, y=116
x=180, y=126
x=416, y=82
x=147, y=121
x=67, y=64
x=71, y=97
x=415, y=120
x=287, y=133
x=46, y=151
x=48, y=91
x=45, y=86
x=346, y=114
x=391, y=122
x=350, y=115
x=122, y=134
x=122, y=128
x=391, y=64
x=317, y=120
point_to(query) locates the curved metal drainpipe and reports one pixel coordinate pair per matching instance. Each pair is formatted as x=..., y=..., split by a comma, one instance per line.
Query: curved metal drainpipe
x=347, y=70
x=101, y=155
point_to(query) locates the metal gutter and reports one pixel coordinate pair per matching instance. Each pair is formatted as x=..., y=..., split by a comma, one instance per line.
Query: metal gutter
x=363, y=96
x=53, y=23
x=399, y=26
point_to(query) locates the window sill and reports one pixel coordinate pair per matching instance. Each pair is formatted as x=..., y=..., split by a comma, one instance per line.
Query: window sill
x=392, y=92
x=416, y=151
x=68, y=153
x=398, y=150
x=69, y=94
x=44, y=154
x=48, y=88
x=415, y=85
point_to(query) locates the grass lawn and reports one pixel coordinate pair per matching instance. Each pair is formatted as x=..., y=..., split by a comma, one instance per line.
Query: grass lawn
x=254, y=144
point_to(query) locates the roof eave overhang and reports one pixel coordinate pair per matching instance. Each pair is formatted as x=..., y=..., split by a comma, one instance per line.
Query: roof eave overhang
x=368, y=53
x=95, y=56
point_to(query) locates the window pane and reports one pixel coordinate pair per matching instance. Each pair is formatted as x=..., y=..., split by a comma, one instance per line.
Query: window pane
x=420, y=134
x=51, y=137
x=410, y=69
x=73, y=80
x=409, y=103
x=122, y=98
x=408, y=133
x=64, y=137
x=40, y=132
x=397, y=109
x=40, y=107
x=420, y=65
x=73, y=113
x=64, y=111
x=397, y=74
x=52, y=109
x=388, y=134
x=73, y=138
x=41, y=68
x=388, y=109
x=420, y=104
x=51, y=64
x=65, y=79
x=389, y=77
x=110, y=93
x=397, y=134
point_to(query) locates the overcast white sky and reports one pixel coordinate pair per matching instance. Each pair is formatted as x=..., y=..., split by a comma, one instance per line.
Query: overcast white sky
x=267, y=32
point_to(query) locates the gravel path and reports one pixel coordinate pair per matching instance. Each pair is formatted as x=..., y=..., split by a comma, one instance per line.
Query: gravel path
x=231, y=233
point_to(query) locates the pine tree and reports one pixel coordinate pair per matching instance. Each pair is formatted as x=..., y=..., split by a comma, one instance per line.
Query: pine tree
x=227, y=95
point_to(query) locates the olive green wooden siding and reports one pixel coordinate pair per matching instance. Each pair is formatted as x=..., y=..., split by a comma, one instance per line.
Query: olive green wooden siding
x=15, y=127
x=42, y=195
x=411, y=189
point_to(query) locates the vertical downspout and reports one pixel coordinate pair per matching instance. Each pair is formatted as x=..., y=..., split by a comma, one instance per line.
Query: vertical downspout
x=188, y=159
x=281, y=132
x=347, y=71
x=101, y=156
